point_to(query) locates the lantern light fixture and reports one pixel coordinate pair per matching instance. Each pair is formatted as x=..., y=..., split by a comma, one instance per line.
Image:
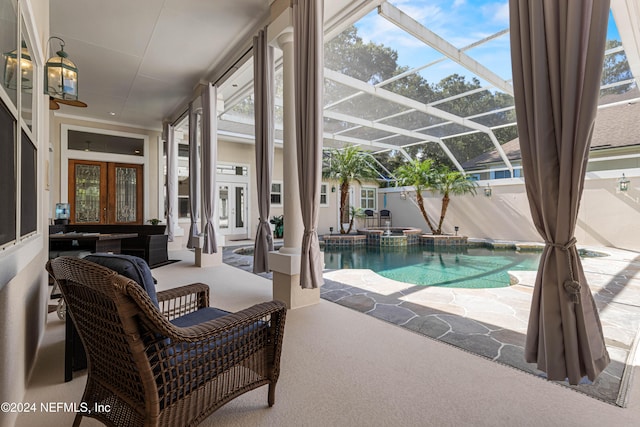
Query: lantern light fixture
x=61, y=79
x=488, y=190
x=623, y=183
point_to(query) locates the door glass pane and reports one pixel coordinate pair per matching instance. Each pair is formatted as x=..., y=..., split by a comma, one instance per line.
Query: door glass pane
x=239, y=207
x=224, y=207
x=87, y=193
x=126, y=194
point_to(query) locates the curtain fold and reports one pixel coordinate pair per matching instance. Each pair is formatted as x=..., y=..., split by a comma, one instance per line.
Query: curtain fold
x=557, y=51
x=209, y=159
x=308, y=71
x=264, y=102
x=194, y=178
x=172, y=180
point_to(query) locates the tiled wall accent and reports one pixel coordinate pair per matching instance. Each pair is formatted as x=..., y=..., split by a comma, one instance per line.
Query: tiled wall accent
x=340, y=241
x=393, y=241
x=443, y=241
x=400, y=236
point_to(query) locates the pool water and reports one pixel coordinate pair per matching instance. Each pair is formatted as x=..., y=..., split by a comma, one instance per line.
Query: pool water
x=466, y=268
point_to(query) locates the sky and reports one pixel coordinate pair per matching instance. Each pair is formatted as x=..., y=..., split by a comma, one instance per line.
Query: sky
x=461, y=22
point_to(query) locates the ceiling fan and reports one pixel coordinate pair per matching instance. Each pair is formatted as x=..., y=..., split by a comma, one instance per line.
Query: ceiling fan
x=54, y=103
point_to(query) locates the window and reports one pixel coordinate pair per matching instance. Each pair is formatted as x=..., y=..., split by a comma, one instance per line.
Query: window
x=368, y=198
x=501, y=174
x=28, y=187
x=232, y=170
x=276, y=193
x=7, y=176
x=19, y=212
x=324, y=199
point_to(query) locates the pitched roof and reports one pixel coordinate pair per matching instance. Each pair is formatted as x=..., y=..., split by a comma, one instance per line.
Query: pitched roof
x=616, y=126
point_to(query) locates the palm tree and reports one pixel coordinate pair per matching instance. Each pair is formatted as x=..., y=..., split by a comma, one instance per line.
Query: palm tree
x=423, y=176
x=346, y=165
x=448, y=182
x=420, y=175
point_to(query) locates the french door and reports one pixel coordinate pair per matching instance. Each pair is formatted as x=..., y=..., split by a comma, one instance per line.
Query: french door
x=232, y=208
x=105, y=192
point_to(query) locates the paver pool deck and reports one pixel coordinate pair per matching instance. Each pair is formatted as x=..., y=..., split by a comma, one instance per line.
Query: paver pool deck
x=493, y=322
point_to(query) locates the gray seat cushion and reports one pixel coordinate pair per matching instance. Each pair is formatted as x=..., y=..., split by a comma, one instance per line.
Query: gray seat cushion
x=131, y=267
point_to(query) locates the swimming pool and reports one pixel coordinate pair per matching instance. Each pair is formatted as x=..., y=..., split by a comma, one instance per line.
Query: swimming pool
x=466, y=268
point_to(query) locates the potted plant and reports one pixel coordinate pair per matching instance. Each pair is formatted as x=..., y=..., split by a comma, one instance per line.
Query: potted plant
x=154, y=221
x=278, y=222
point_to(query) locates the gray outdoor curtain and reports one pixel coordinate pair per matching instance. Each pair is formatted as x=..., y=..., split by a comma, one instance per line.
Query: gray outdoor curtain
x=557, y=51
x=209, y=158
x=172, y=180
x=308, y=72
x=264, y=104
x=194, y=178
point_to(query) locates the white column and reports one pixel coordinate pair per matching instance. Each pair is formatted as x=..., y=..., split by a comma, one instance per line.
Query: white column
x=293, y=227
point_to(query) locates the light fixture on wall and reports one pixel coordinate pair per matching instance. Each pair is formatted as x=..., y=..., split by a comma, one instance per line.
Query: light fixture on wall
x=623, y=183
x=11, y=65
x=487, y=190
x=403, y=195
x=333, y=188
x=61, y=79
x=456, y=228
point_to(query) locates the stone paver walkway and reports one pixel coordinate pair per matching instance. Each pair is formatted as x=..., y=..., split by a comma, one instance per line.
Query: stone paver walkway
x=493, y=322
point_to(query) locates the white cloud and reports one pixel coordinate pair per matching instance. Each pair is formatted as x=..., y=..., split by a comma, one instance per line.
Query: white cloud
x=497, y=13
x=458, y=3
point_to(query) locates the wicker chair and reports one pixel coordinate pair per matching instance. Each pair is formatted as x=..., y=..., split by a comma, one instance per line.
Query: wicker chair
x=158, y=365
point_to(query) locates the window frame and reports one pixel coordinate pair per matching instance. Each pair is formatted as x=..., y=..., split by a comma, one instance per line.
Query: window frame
x=324, y=193
x=366, y=197
x=272, y=193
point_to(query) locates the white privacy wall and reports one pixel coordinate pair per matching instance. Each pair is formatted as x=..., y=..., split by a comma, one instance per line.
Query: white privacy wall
x=607, y=217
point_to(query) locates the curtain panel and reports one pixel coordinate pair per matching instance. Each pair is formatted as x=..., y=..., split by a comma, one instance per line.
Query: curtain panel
x=308, y=71
x=209, y=159
x=264, y=102
x=194, y=178
x=557, y=51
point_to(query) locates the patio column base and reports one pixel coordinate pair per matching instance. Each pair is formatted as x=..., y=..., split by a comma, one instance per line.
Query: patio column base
x=209, y=260
x=286, y=281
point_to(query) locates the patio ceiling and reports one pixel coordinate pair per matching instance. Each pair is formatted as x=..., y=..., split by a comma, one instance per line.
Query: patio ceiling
x=379, y=119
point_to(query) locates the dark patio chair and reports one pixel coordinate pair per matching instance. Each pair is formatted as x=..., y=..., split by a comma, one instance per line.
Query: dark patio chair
x=167, y=359
x=385, y=215
x=369, y=218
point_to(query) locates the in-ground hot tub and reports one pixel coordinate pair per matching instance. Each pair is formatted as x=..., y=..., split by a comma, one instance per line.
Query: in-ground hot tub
x=391, y=236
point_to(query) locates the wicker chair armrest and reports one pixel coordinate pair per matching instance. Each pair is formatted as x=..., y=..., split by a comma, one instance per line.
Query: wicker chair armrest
x=182, y=300
x=231, y=323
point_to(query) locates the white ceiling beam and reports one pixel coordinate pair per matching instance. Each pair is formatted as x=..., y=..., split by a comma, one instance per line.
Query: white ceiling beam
x=394, y=130
x=627, y=16
x=418, y=106
x=411, y=26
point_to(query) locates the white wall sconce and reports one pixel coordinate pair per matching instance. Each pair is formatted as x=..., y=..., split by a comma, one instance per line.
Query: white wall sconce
x=487, y=191
x=623, y=183
x=403, y=195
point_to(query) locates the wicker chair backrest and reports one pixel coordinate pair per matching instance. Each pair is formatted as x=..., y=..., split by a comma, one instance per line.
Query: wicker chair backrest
x=108, y=322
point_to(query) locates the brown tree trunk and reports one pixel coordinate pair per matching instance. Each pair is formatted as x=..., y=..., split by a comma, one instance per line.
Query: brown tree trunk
x=443, y=211
x=351, y=224
x=344, y=193
x=420, y=201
